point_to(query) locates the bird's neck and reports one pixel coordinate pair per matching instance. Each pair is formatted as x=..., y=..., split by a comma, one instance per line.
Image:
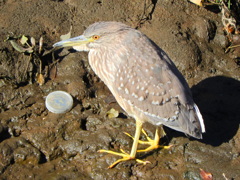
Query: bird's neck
x=103, y=66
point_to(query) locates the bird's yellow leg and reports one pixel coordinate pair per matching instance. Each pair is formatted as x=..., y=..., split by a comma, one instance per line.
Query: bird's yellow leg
x=154, y=143
x=125, y=156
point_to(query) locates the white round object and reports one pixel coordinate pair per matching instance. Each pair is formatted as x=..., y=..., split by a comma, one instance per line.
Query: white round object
x=59, y=102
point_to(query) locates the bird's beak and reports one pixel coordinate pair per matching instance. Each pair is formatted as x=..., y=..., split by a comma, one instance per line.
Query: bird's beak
x=76, y=41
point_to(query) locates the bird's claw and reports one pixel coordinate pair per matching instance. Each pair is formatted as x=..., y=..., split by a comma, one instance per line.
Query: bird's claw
x=153, y=143
x=125, y=157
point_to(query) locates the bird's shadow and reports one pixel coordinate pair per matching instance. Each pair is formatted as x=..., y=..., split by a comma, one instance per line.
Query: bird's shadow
x=218, y=99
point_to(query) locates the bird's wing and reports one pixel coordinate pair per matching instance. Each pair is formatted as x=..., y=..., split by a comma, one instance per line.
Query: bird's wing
x=151, y=84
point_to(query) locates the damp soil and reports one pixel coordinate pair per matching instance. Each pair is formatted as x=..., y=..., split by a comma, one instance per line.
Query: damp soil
x=37, y=144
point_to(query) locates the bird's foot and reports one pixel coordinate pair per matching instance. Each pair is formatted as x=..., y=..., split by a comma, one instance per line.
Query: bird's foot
x=154, y=143
x=125, y=157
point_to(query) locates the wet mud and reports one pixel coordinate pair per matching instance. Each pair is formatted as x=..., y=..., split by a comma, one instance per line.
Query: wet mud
x=37, y=144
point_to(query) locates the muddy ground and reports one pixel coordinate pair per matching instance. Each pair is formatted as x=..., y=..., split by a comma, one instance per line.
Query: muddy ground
x=37, y=144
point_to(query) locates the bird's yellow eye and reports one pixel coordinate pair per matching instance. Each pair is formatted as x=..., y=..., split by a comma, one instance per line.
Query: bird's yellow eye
x=95, y=37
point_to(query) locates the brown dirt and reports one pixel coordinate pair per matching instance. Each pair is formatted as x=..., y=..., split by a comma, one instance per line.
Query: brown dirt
x=37, y=144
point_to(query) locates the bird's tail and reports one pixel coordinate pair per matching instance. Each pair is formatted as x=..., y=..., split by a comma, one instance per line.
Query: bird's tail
x=195, y=124
x=199, y=115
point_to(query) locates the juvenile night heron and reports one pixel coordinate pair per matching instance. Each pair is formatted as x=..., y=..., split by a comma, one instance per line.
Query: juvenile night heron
x=142, y=78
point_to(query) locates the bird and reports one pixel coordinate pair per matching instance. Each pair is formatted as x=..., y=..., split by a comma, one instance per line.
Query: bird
x=143, y=79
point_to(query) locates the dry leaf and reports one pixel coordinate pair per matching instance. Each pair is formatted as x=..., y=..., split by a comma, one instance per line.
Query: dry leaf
x=40, y=44
x=112, y=113
x=23, y=40
x=197, y=2
x=66, y=36
x=33, y=41
x=40, y=79
x=53, y=72
x=205, y=175
x=17, y=47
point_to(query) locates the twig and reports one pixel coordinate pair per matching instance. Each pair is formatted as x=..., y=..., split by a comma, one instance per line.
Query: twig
x=230, y=47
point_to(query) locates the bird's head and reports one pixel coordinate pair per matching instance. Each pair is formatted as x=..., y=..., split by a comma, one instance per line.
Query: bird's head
x=96, y=35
